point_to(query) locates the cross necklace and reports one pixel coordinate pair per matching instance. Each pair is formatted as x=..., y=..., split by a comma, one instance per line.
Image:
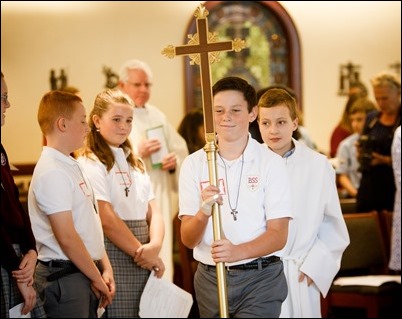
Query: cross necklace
x=127, y=185
x=234, y=211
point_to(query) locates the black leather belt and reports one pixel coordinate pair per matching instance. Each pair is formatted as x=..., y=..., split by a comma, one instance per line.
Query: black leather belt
x=58, y=263
x=67, y=266
x=258, y=263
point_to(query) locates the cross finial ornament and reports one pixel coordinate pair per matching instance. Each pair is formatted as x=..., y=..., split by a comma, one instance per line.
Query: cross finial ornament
x=203, y=50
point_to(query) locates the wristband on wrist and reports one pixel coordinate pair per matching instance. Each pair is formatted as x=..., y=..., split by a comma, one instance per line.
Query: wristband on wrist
x=206, y=206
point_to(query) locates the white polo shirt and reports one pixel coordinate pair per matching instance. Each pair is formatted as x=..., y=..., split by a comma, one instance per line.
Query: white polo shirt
x=263, y=194
x=110, y=186
x=58, y=185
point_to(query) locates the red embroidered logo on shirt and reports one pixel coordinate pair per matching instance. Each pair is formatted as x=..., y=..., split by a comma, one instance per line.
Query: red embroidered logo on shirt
x=252, y=182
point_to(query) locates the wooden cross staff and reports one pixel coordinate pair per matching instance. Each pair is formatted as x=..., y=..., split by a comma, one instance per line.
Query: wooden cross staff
x=203, y=49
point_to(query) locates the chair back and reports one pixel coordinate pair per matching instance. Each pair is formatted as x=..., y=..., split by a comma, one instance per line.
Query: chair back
x=366, y=252
x=386, y=218
x=348, y=205
x=365, y=255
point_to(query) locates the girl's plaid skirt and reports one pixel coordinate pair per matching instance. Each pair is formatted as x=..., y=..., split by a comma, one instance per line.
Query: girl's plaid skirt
x=130, y=279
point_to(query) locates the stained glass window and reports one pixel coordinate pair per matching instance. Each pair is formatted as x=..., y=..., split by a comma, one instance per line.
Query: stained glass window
x=272, y=53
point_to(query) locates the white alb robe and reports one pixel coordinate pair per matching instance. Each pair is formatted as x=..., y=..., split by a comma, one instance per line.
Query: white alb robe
x=317, y=234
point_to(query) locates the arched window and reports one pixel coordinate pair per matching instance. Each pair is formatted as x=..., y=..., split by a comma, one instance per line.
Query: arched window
x=272, y=55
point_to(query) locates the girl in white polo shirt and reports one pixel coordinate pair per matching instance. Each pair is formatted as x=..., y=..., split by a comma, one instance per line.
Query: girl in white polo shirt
x=132, y=224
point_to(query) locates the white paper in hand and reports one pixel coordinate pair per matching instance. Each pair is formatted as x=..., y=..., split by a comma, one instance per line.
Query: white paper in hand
x=15, y=312
x=159, y=134
x=163, y=299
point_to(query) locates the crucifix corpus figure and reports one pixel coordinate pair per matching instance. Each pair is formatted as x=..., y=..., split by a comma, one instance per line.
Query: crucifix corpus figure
x=203, y=49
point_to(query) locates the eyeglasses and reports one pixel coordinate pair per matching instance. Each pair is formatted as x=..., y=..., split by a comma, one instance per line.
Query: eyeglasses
x=137, y=85
x=4, y=97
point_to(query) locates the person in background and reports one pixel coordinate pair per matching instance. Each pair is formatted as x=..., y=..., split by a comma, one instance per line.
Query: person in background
x=191, y=128
x=377, y=185
x=395, y=260
x=254, y=200
x=359, y=88
x=135, y=79
x=348, y=168
x=131, y=222
x=317, y=235
x=18, y=245
x=74, y=276
x=343, y=129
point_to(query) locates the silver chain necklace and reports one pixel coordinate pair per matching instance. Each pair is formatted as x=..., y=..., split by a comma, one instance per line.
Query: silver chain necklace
x=234, y=211
x=127, y=185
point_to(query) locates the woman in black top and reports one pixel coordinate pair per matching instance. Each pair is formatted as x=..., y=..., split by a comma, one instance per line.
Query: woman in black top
x=17, y=243
x=377, y=186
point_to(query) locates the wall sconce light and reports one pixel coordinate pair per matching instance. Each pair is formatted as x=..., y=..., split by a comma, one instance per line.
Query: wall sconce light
x=54, y=80
x=112, y=79
x=349, y=74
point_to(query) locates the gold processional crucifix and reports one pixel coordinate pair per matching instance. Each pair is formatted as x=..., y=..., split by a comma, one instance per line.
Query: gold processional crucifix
x=203, y=49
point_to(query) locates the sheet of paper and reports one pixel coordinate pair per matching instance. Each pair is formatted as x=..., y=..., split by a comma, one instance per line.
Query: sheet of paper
x=163, y=299
x=15, y=312
x=374, y=281
x=100, y=312
x=158, y=133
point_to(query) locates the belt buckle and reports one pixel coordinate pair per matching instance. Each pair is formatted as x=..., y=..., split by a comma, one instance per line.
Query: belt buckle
x=232, y=268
